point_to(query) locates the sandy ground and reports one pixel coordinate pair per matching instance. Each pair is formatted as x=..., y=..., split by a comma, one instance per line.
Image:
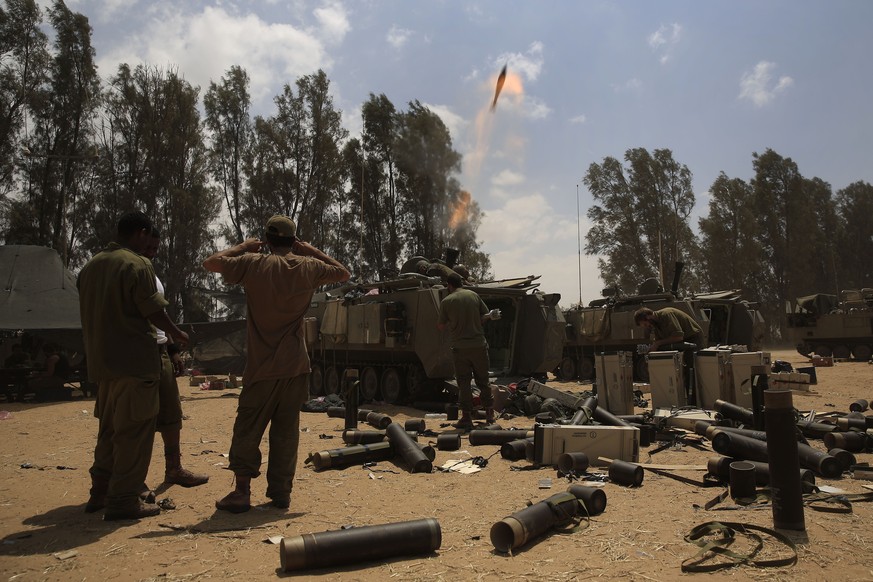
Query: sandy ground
x=46, y=449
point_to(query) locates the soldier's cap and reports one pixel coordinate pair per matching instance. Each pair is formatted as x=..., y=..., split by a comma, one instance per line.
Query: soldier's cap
x=283, y=226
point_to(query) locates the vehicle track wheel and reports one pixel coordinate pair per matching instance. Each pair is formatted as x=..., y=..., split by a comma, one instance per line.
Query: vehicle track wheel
x=392, y=386
x=316, y=380
x=567, y=369
x=415, y=379
x=842, y=352
x=824, y=351
x=862, y=352
x=586, y=368
x=331, y=380
x=369, y=384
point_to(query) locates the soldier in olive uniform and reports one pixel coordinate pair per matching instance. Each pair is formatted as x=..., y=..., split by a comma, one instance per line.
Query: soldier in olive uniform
x=119, y=302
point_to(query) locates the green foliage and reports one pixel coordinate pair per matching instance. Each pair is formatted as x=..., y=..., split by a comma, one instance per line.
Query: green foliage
x=640, y=221
x=295, y=164
x=155, y=159
x=731, y=251
x=854, y=207
x=230, y=126
x=23, y=75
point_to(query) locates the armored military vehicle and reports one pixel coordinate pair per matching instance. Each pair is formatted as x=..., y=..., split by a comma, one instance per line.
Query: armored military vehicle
x=387, y=330
x=606, y=325
x=828, y=325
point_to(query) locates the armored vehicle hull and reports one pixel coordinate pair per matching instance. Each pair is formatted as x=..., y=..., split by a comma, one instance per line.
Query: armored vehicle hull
x=607, y=326
x=387, y=331
x=828, y=326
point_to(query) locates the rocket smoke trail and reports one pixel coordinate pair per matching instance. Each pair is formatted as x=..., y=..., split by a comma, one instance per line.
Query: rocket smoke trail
x=500, y=80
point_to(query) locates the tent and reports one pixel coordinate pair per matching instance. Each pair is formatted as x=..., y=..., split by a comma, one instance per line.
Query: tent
x=39, y=296
x=40, y=299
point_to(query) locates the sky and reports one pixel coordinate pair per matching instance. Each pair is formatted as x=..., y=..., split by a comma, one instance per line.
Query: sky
x=714, y=82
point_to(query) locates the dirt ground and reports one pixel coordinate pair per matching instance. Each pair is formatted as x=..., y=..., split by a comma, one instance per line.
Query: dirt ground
x=46, y=449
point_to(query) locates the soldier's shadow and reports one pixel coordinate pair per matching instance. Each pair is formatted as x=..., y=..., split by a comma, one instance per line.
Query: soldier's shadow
x=222, y=522
x=59, y=529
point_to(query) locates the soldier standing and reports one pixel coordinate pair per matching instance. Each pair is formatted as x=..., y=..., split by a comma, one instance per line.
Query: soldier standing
x=279, y=287
x=119, y=302
x=463, y=312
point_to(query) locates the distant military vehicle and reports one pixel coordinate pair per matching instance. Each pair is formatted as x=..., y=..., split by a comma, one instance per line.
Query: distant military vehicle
x=607, y=325
x=387, y=330
x=830, y=326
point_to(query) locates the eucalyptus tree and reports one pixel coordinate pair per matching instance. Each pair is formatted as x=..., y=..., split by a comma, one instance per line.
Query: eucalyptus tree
x=640, y=219
x=854, y=207
x=60, y=147
x=729, y=237
x=229, y=127
x=428, y=190
x=295, y=163
x=368, y=215
x=158, y=162
x=381, y=125
x=787, y=233
x=821, y=246
x=24, y=62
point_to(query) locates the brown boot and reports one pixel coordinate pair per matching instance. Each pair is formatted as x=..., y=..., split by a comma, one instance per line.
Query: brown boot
x=138, y=511
x=489, y=415
x=238, y=500
x=146, y=494
x=97, y=499
x=184, y=477
x=174, y=473
x=466, y=421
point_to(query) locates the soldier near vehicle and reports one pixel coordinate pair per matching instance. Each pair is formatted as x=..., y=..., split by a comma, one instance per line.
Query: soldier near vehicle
x=669, y=326
x=673, y=330
x=463, y=312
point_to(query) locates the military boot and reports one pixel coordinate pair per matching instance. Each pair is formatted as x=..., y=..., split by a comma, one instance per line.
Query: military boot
x=238, y=500
x=97, y=498
x=174, y=472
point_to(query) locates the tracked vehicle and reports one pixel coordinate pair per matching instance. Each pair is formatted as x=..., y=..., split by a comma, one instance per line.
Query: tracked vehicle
x=607, y=326
x=830, y=326
x=387, y=331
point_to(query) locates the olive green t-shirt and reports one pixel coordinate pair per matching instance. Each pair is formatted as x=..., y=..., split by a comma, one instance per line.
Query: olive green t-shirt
x=117, y=293
x=278, y=292
x=462, y=311
x=671, y=321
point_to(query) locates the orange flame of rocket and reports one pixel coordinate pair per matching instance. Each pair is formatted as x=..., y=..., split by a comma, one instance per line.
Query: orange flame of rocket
x=460, y=209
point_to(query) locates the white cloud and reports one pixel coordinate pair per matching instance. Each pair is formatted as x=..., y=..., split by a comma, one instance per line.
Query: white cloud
x=334, y=23
x=529, y=64
x=758, y=85
x=353, y=121
x=507, y=178
x=579, y=119
x=664, y=39
x=103, y=10
x=530, y=216
x=454, y=122
x=397, y=37
x=536, y=108
x=633, y=84
x=528, y=237
x=204, y=45
x=666, y=35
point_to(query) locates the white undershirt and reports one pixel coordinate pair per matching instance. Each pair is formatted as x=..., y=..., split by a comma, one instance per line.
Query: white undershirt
x=162, y=337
